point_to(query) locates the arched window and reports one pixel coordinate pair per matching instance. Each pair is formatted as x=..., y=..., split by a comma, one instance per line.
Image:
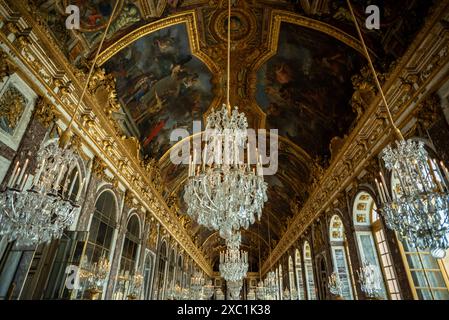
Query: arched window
x=291, y=278
x=148, y=274
x=372, y=244
x=101, y=234
x=308, y=268
x=179, y=271
x=340, y=256
x=321, y=268
x=130, y=246
x=171, y=270
x=161, y=270
x=102, y=228
x=427, y=275
x=299, y=279
x=128, y=261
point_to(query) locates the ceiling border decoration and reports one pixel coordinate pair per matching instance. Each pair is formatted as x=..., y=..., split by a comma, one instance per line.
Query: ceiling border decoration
x=187, y=17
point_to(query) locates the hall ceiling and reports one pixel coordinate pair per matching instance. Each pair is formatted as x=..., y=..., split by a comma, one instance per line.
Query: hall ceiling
x=292, y=65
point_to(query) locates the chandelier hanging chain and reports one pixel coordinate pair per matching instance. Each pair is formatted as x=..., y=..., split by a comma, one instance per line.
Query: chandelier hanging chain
x=397, y=132
x=94, y=62
x=228, y=79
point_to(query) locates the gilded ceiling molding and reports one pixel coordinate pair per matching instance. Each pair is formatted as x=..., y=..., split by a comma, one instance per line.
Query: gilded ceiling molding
x=187, y=17
x=280, y=16
x=425, y=58
x=277, y=18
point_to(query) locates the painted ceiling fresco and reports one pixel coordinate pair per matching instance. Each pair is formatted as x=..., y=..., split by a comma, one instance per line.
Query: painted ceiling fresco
x=162, y=86
x=306, y=87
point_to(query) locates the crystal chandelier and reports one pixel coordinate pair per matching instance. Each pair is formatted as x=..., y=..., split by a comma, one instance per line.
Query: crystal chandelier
x=40, y=213
x=294, y=293
x=95, y=275
x=233, y=264
x=208, y=290
x=334, y=284
x=197, y=283
x=251, y=294
x=369, y=280
x=268, y=288
x=419, y=210
x=223, y=192
x=234, y=288
x=286, y=294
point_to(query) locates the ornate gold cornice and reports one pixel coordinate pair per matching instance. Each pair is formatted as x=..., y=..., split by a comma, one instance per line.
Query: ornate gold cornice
x=43, y=61
x=187, y=17
x=425, y=59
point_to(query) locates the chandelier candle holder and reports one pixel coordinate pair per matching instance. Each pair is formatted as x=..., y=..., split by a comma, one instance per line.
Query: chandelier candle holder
x=40, y=213
x=418, y=208
x=334, y=284
x=267, y=289
x=369, y=280
x=233, y=264
x=224, y=193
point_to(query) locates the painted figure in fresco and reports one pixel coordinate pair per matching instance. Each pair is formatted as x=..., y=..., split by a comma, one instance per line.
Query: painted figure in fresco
x=162, y=86
x=95, y=12
x=302, y=88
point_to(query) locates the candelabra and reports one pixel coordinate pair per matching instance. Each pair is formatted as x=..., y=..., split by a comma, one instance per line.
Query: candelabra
x=334, y=284
x=197, y=283
x=294, y=293
x=40, y=213
x=369, y=280
x=208, y=290
x=286, y=294
x=267, y=289
x=251, y=295
x=233, y=264
x=234, y=288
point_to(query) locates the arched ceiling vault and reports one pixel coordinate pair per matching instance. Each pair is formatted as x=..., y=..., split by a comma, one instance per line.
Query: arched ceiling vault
x=293, y=64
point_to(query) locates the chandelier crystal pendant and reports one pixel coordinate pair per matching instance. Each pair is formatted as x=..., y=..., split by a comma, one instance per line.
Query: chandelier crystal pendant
x=418, y=208
x=418, y=211
x=40, y=213
x=233, y=264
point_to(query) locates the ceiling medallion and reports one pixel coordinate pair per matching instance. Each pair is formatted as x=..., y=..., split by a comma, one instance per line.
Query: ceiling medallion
x=243, y=25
